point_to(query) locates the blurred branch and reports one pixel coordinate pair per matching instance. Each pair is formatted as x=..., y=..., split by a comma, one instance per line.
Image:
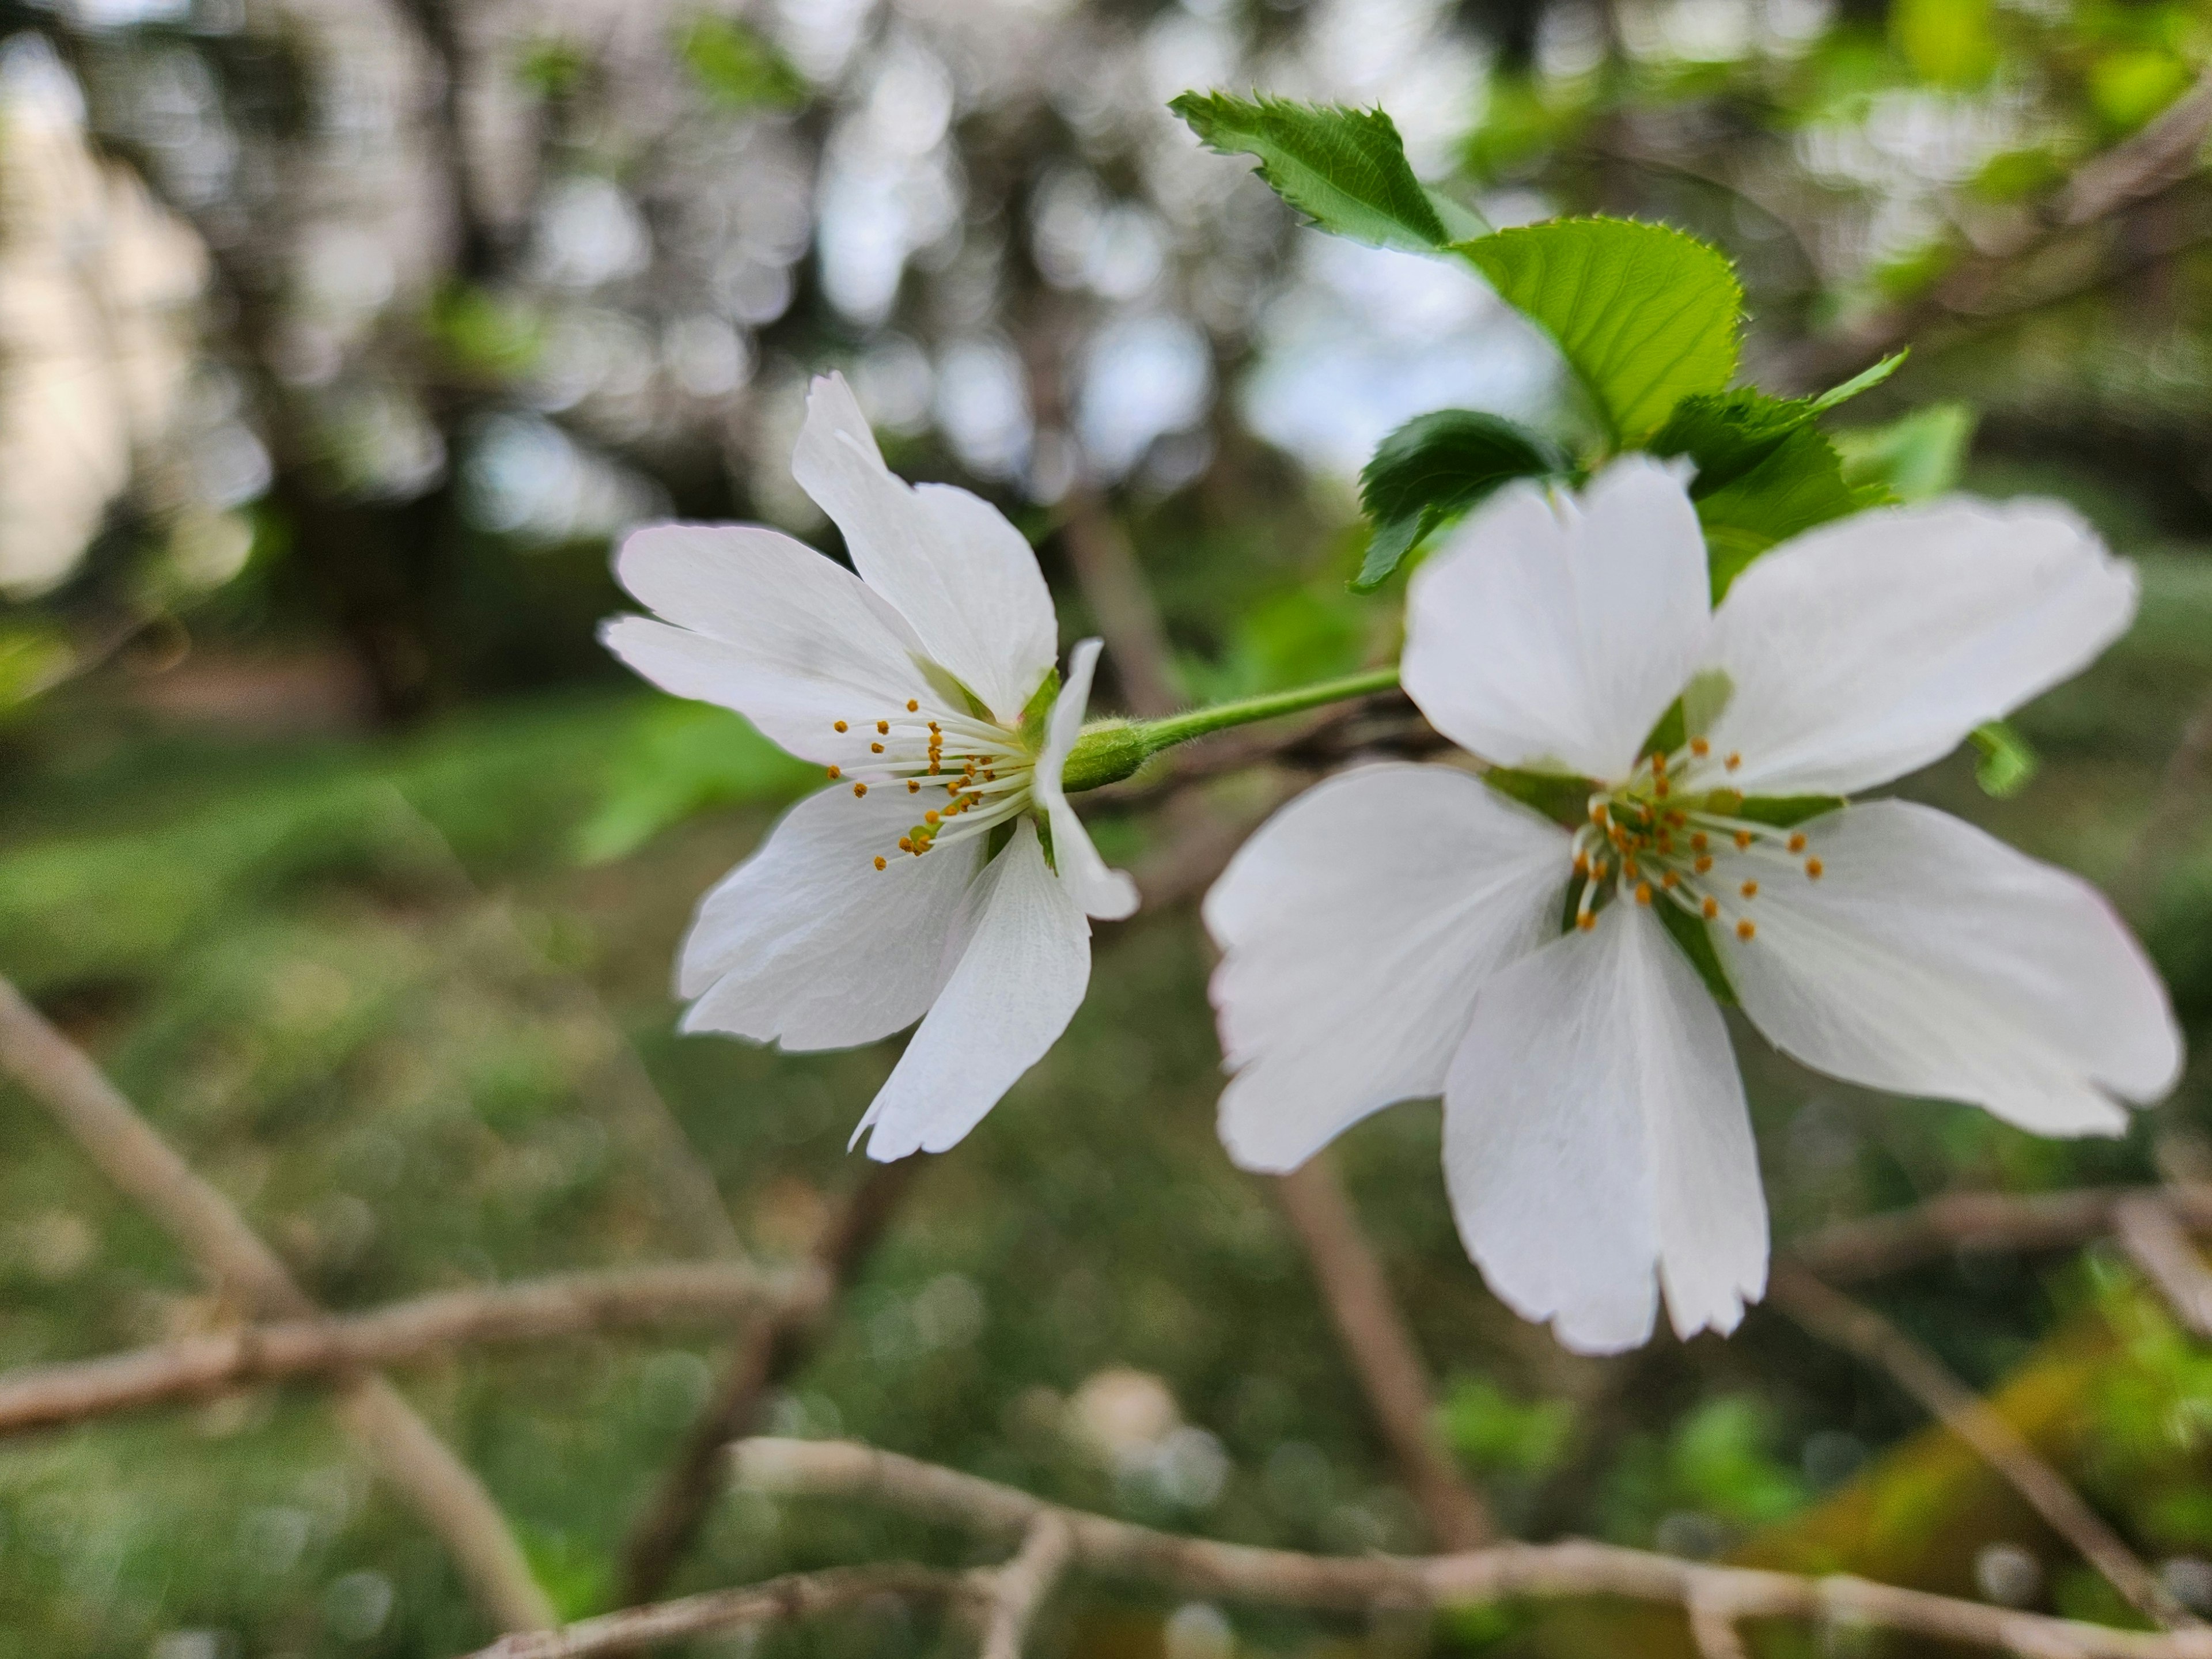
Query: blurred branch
x=625, y=1092
x=1376, y=1338
x=2157, y=1245
x=430, y=1327
x=1120, y=602
x=149, y=1171
x=1712, y=1627
x=1573, y=1569
x=725, y=1612
x=2170, y=819
x=1019, y=1588
x=1859, y=1330
x=768, y=1353
x=1890, y=1243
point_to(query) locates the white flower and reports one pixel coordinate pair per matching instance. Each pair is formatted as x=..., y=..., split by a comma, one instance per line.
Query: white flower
x=1400, y=930
x=918, y=886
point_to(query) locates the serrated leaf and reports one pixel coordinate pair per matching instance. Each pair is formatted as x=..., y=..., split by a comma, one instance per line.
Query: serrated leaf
x=1799, y=485
x=1346, y=169
x=2008, y=761
x=1434, y=466
x=1644, y=315
x=1915, y=458
x=1727, y=434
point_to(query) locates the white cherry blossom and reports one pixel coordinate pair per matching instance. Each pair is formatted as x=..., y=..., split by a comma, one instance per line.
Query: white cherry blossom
x=943, y=876
x=1404, y=930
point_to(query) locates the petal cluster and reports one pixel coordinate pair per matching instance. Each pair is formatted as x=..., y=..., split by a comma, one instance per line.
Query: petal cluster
x=1398, y=931
x=918, y=886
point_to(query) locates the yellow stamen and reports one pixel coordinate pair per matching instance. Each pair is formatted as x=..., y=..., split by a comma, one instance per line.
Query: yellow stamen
x=879, y=862
x=1744, y=930
x=1813, y=868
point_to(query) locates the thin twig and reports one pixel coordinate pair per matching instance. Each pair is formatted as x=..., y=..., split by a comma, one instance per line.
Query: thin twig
x=1898, y=1239
x=1379, y=1346
x=725, y=1612
x=378, y=1339
x=2155, y=1243
x=1569, y=1569
x=1834, y=1317
x=769, y=1352
x=150, y=1172
x=1018, y=1589
x=1712, y=1627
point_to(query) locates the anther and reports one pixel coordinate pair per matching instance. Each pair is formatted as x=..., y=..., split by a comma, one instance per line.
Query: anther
x=913, y=787
x=1643, y=892
x=906, y=843
x=1658, y=762
x=1711, y=907
x=1597, y=812
x=1743, y=841
x=1734, y=761
x=1585, y=921
x=930, y=816
x=860, y=789
x=1668, y=879
x=879, y=862
x=1697, y=842
x=882, y=728
x=1703, y=863
x=912, y=706
x=1744, y=930
x=1700, y=748
x=1796, y=843
x=1750, y=889
x=840, y=726
x=1581, y=864
x=875, y=749
x=836, y=772
x=1813, y=868
x=1659, y=788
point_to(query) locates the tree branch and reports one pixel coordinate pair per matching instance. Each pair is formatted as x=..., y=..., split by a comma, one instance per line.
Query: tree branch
x=1379, y=1347
x=770, y=1352
x=1875, y=1245
x=2155, y=1243
x=795, y=1595
x=1860, y=1331
x=1573, y=1569
x=565, y=1305
x=149, y=1171
x=1018, y=1589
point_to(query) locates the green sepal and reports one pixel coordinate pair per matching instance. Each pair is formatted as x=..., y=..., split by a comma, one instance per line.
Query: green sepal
x=1346, y=169
x=1644, y=315
x=1563, y=799
x=1696, y=939
x=2008, y=761
x=1038, y=709
x=993, y=846
x=1437, y=465
x=1106, y=753
x=1786, y=811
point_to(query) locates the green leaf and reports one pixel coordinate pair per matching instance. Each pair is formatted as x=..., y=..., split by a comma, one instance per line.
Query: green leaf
x=2007, y=763
x=1437, y=465
x=737, y=67
x=684, y=758
x=1346, y=169
x=1644, y=315
x=1865, y=380
x=1914, y=458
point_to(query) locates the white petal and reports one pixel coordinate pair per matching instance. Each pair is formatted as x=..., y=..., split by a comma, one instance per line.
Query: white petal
x=957, y=570
x=807, y=942
x=1868, y=648
x=1355, y=928
x=1107, y=894
x=1595, y=1133
x=1932, y=959
x=1018, y=983
x=1552, y=631
x=768, y=627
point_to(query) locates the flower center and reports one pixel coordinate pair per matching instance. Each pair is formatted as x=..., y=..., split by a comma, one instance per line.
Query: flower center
x=968, y=775
x=1654, y=837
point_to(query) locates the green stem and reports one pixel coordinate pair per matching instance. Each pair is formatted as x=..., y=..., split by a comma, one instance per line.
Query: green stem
x=1113, y=750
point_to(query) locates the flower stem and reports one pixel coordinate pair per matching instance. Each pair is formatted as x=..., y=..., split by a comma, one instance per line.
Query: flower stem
x=1113, y=750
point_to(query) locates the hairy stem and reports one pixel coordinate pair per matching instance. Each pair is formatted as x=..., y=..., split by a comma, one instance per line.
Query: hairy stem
x=1113, y=750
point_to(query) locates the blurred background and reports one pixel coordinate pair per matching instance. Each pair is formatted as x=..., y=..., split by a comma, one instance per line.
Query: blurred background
x=340, y=339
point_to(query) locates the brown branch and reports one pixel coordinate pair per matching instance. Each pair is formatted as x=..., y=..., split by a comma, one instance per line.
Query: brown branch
x=2155, y=1243
x=1859, y=1330
x=1121, y=600
x=1712, y=1627
x=426, y=1327
x=1569, y=1569
x=149, y=1171
x=2170, y=818
x=1875, y=1245
x=795, y=1595
x=1379, y=1345
x=770, y=1352
x=2161, y=155
x=1018, y=1589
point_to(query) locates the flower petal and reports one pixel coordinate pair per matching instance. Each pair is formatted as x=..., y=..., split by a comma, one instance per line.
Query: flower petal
x=1862, y=650
x=1553, y=631
x=956, y=569
x=768, y=627
x=1104, y=893
x=1356, y=926
x=807, y=942
x=1932, y=959
x=1595, y=1131
x=1018, y=982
